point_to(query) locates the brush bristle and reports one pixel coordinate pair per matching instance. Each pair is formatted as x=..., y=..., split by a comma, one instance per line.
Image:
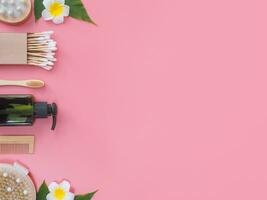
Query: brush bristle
x=35, y=83
x=14, y=149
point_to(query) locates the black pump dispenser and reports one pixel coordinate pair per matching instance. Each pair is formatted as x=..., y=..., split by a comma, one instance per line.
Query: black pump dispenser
x=22, y=110
x=44, y=110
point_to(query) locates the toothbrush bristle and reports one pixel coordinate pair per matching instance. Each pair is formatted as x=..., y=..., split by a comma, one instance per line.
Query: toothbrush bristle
x=35, y=83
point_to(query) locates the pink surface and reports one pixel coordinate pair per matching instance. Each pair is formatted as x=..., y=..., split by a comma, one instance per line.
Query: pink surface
x=163, y=100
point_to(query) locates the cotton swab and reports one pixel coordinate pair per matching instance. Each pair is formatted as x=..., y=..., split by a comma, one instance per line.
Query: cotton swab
x=41, y=49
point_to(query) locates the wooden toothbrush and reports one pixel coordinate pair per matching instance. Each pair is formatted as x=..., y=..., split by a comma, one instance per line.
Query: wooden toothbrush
x=23, y=83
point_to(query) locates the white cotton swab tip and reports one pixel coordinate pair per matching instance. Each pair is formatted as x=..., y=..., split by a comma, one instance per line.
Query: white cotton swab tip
x=48, y=32
x=51, y=45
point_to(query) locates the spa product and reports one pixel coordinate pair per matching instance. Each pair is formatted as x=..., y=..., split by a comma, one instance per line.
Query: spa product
x=15, y=11
x=16, y=144
x=23, y=83
x=28, y=49
x=22, y=110
x=15, y=183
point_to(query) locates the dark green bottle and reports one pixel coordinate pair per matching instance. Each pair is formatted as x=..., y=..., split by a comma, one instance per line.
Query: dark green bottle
x=21, y=110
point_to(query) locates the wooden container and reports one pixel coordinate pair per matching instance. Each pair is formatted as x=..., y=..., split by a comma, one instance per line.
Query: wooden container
x=15, y=11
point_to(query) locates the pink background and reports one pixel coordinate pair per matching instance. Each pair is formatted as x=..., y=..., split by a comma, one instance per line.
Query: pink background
x=163, y=100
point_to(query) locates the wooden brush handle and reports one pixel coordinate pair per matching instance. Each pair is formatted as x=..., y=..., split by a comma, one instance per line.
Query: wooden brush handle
x=15, y=83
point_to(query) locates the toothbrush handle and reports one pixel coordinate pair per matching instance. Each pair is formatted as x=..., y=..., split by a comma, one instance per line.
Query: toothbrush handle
x=12, y=83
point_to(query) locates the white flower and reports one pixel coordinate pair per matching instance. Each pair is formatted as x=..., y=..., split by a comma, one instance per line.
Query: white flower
x=60, y=191
x=55, y=10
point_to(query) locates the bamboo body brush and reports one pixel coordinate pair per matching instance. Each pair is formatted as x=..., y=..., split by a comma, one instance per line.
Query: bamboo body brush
x=28, y=49
x=15, y=183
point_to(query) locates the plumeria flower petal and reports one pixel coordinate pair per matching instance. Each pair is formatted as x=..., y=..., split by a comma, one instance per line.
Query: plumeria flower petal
x=58, y=20
x=50, y=197
x=47, y=3
x=61, y=1
x=66, y=11
x=55, y=10
x=46, y=15
x=52, y=186
x=69, y=196
x=65, y=185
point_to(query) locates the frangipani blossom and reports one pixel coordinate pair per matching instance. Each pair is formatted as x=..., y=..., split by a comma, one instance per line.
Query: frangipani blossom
x=60, y=191
x=55, y=10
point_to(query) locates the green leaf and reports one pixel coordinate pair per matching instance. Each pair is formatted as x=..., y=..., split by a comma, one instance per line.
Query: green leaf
x=88, y=196
x=38, y=8
x=43, y=192
x=78, y=11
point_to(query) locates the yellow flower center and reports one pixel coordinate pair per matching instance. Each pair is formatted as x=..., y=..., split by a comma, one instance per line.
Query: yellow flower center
x=59, y=194
x=56, y=9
